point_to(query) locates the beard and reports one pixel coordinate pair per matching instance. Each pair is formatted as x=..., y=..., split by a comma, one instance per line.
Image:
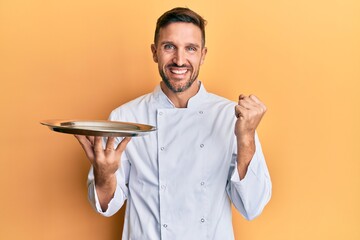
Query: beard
x=182, y=88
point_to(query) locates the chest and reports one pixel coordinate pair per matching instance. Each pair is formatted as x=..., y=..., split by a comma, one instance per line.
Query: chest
x=188, y=144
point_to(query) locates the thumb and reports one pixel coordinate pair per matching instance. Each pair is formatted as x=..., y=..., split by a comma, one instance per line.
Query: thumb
x=241, y=96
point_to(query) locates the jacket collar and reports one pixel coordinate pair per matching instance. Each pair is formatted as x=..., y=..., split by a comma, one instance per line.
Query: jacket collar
x=194, y=101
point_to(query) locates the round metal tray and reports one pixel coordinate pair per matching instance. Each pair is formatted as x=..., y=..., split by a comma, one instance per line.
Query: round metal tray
x=99, y=128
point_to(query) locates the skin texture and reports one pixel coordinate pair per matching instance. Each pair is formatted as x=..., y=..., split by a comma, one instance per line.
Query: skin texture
x=105, y=162
x=179, y=54
x=249, y=113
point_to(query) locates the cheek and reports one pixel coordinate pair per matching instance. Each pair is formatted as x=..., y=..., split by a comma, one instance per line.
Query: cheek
x=196, y=62
x=165, y=56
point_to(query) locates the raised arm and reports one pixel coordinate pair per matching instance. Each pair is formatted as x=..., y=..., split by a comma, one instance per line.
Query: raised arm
x=249, y=112
x=250, y=186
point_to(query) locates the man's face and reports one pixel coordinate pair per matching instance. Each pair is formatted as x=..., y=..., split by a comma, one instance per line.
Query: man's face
x=179, y=54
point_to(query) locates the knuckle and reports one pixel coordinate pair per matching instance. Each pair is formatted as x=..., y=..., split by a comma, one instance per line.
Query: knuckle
x=253, y=114
x=241, y=96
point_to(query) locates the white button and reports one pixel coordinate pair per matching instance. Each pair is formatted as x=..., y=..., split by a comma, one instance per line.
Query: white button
x=201, y=112
x=202, y=220
x=162, y=148
x=165, y=225
x=202, y=183
x=201, y=145
x=160, y=113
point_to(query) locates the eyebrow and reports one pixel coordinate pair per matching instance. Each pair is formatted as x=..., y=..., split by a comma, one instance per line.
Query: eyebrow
x=166, y=42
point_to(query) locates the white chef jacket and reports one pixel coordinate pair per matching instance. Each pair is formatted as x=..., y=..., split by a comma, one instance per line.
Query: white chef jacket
x=180, y=180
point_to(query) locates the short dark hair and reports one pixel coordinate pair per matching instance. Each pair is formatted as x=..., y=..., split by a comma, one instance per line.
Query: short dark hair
x=180, y=14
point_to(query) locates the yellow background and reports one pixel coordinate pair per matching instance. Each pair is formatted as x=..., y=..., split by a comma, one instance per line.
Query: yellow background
x=80, y=59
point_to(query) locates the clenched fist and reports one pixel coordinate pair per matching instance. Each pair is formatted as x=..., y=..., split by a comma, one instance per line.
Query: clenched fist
x=249, y=112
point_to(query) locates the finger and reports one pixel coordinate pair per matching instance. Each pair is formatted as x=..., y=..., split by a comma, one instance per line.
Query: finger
x=247, y=103
x=78, y=136
x=91, y=139
x=241, y=96
x=254, y=98
x=258, y=102
x=98, y=145
x=82, y=140
x=110, y=144
x=240, y=111
x=122, y=145
x=252, y=102
x=86, y=145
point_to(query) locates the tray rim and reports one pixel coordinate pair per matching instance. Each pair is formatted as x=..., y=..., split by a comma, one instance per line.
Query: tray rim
x=55, y=125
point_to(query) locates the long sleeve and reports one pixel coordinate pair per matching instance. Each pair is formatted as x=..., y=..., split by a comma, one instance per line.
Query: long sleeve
x=253, y=192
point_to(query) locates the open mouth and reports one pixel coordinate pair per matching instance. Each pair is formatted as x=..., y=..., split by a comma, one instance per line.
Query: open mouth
x=178, y=71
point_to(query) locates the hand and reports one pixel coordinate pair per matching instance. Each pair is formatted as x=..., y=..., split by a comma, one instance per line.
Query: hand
x=105, y=161
x=249, y=112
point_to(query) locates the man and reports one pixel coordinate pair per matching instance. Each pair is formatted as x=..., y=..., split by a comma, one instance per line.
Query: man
x=179, y=181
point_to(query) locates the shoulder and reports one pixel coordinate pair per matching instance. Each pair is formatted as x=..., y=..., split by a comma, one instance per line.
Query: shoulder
x=132, y=107
x=220, y=101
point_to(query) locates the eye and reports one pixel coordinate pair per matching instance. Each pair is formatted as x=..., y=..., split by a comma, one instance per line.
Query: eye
x=192, y=49
x=169, y=47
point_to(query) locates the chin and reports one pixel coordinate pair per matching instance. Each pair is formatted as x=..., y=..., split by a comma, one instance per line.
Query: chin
x=177, y=88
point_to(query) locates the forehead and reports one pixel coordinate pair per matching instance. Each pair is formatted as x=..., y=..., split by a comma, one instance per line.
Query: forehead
x=180, y=32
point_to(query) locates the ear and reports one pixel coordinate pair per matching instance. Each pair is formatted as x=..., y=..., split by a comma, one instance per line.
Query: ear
x=203, y=54
x=153, y=50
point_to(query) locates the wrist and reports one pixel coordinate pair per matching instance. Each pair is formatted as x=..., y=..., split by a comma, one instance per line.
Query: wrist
x=104, y=180
x=246, y=149
x=246, y=140
x=105, y=189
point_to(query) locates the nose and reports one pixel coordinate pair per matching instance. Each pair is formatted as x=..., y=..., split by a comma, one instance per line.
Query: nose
x=179, y=58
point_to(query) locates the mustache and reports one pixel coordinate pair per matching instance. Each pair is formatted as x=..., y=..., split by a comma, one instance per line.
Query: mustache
x=174, y=65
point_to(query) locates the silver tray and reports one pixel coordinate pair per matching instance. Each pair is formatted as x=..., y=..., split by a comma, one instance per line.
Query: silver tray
x=99, y=128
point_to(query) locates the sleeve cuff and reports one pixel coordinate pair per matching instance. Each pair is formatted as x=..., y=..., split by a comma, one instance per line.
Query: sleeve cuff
x=115, y=203
x=250, y=173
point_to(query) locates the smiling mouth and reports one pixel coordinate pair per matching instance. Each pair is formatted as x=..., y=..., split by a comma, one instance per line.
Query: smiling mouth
x=178, y=71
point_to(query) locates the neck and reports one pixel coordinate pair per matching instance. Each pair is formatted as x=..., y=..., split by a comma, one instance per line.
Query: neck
x=181, y=99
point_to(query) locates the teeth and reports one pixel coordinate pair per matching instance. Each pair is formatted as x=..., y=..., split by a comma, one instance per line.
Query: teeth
x=179, y=71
